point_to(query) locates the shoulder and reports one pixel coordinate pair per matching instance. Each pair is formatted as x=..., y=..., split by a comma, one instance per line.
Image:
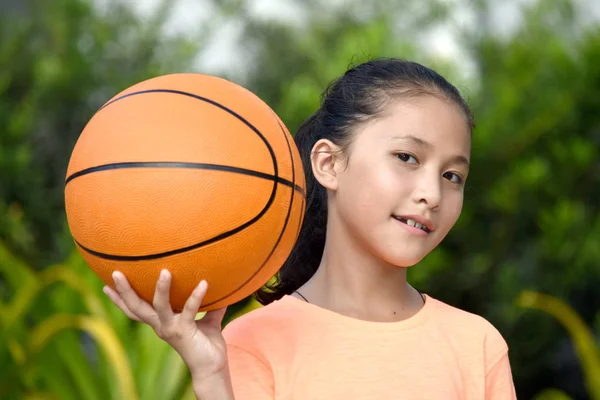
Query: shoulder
x=257, y=321
x=465, y=321
x=466, y=327
x=268, y=328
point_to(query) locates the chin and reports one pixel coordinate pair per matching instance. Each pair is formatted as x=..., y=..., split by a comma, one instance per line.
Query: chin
x=406, y=263
x=404, y=260
x=404, y=256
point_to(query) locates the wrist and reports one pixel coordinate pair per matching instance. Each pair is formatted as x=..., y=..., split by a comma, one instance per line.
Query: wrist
x=215, y=386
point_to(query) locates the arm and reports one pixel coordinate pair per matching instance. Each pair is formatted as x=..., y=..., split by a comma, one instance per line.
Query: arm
x=217, y=387
x=498, y=381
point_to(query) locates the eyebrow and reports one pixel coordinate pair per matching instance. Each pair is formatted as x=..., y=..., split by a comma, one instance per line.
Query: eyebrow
x=424, y=143
x=462, y=160
x=412, y=138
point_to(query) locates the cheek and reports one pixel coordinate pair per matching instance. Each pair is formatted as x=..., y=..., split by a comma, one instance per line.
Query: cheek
x=378, y=188
x=453, y=208
x=364, y=191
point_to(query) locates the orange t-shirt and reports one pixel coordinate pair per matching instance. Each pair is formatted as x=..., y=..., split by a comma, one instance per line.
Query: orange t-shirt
x=294, y=350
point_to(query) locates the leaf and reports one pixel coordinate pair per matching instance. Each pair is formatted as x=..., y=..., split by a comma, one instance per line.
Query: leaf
x=583, y=339
x=552, y=394
x=150, y=355
x=104, y=336
x=31, y=288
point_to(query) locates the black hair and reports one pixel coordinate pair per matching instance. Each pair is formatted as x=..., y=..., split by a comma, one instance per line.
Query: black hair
x=355, y=98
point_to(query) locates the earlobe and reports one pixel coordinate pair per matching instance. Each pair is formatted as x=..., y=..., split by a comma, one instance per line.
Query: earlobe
x=324, y=157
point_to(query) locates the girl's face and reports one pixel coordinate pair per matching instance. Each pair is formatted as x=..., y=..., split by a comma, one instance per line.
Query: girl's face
x=401, y=189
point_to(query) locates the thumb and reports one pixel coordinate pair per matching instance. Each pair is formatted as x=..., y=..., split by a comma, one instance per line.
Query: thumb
x=214, y=317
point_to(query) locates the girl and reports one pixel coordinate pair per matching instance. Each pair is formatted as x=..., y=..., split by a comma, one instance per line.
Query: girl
x=386, y=158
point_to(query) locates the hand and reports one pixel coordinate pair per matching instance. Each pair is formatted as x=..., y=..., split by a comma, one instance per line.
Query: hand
x=200, y=343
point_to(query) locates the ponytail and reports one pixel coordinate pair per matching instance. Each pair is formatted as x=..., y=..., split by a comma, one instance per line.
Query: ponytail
x=306, y=255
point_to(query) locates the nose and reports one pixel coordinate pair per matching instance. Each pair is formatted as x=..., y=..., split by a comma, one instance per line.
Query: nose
x=428, y=190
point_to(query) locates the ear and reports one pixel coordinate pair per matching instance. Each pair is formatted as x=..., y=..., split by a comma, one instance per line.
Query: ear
x=325, y=161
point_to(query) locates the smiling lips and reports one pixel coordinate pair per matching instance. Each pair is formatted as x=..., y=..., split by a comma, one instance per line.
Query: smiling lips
x=416, y=222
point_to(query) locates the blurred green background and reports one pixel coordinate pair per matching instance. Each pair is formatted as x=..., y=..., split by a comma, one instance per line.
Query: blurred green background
x=525, y=253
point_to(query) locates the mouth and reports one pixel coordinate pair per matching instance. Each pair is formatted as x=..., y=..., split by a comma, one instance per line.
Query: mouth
x=413, y=223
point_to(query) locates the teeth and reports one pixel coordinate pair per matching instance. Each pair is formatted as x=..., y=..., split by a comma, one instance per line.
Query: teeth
x=414, y=223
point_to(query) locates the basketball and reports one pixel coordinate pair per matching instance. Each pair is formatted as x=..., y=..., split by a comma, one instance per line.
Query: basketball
x=190, y=173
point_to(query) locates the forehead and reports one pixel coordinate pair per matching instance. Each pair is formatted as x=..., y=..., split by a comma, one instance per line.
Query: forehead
x=426, y=120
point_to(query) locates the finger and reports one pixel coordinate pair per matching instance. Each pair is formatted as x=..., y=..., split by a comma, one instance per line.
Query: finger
x=117, y=301
x=161, y=296
x=133, y=302
x=190, y=309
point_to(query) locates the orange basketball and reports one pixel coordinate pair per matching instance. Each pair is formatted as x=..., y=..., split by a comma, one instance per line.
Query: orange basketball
x=187, y=172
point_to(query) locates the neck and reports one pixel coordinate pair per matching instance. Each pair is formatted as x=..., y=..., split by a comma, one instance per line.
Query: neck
x=354, y=283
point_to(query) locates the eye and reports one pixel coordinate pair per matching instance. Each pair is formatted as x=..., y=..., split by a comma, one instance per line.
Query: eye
x=407, y=158
x=454, y=178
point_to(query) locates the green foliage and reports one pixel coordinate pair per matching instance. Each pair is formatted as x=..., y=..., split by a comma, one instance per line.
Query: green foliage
x=61, y=337
x=530, y=218
x=45, y=353
x=552, y=394
x=581, y=335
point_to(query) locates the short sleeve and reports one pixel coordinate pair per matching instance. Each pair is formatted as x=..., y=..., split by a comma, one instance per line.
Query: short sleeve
x=251, y=377
x=499, y=382
x=498, y=375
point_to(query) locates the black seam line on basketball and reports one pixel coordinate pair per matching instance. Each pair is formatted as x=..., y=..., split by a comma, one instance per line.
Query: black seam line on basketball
x=214, y=103
x=175, y=164
x=283, y=229
x=209, y=101
x=195, y=246
x=293, y=171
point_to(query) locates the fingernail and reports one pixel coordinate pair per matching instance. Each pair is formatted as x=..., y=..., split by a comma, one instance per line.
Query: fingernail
x=116, y=275
x=164, y=275
x=200, y=287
